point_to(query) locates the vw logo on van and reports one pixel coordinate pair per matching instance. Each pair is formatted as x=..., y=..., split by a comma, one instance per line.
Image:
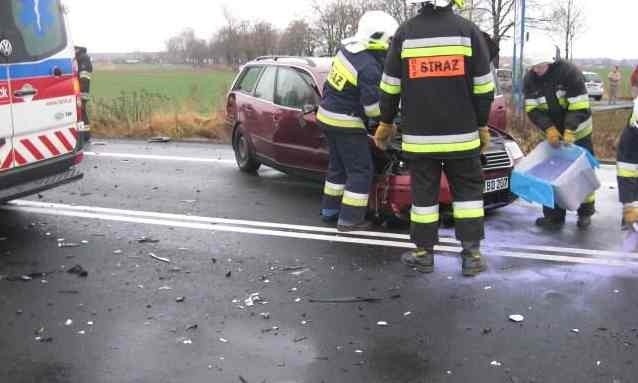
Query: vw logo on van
x=6, y=48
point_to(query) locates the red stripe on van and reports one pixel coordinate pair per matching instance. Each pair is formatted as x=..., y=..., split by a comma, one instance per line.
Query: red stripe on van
x=7, y=161
x=64, y=141
x=45, y=140
x=18, y=157
x=32, y=149
x=74, y=132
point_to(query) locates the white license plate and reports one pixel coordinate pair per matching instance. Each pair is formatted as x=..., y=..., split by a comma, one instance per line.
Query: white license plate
x=497, y=184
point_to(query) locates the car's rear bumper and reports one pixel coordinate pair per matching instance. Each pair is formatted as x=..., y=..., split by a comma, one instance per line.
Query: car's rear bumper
x=39, y=177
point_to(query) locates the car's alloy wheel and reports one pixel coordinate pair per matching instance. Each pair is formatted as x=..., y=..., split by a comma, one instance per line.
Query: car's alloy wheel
x=244, y=155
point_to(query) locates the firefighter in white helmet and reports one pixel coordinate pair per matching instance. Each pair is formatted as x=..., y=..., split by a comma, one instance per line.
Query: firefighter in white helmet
x=438, y=68
x=350, y=105
x=557, y=102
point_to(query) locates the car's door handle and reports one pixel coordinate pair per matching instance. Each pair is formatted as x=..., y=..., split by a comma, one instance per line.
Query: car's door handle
x=25, y=93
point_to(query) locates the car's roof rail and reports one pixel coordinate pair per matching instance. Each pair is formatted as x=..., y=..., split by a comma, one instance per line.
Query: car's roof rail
x=277, y=58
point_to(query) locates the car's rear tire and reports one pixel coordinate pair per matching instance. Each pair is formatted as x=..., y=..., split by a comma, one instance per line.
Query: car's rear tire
x=244, y=154
x=598, y=98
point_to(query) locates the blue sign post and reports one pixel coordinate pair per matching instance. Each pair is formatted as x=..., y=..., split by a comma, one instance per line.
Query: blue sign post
x=517, y=63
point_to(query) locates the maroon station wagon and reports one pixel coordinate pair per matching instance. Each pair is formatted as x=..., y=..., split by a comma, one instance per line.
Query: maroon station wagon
x=271, y=110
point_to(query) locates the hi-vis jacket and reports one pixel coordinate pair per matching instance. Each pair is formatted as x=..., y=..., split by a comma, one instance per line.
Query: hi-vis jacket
x=560, y=99
x=438, y=67
x=351, y=93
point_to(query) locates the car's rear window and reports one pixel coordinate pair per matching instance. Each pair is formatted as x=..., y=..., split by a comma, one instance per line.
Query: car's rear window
x=592, y=77
x=248, y=79
x=35, y=28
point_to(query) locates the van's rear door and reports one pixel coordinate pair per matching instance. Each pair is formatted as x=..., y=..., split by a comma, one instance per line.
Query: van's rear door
x=6, y=123
x=42, y=82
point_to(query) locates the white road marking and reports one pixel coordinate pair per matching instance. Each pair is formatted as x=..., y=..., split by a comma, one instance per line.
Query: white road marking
x=287, y=231
x=160, y=158
x=314, y=229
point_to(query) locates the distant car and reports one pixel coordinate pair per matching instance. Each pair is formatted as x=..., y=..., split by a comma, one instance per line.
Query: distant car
x=595, y=85
x=505, y=79
x=271, y=110
x=39, y=99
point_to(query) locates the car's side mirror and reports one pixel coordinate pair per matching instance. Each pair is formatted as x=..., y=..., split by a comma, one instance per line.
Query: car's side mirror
x=309, y=109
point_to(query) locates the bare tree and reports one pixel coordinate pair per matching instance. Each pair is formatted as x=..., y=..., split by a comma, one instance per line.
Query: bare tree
x=298, y=39
x=568, y=20
x=337, y=20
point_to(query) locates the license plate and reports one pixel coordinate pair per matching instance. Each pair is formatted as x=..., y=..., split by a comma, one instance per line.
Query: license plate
x=497, y=184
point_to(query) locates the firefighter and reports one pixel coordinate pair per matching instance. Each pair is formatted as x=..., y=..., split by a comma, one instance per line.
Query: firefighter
x=350, y=104
x=557, y=102
x=85, y=69
x=628, y=171
x=438, y=69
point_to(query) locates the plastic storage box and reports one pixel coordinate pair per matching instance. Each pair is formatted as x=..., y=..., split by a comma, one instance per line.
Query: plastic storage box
x=562, y=177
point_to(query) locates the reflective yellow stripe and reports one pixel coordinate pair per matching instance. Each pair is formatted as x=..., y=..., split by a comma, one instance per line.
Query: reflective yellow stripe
x=334, y=190
x=580, y=134
x=563, y=102
x=451, y=50
x=442, y=148
x=469, y=210
x=485, y=88
x=390, y=89
x=582, y=105
x=425, y=215
x=591, y=198
x=339, y=120
x=626, y=170
x=355, y=199
x=373, y=110
x=377, y=45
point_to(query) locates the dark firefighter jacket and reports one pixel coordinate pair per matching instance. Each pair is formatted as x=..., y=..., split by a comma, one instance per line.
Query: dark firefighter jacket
x=351, y=94
x=438, y=68
x=560, y=99
x=85, y=69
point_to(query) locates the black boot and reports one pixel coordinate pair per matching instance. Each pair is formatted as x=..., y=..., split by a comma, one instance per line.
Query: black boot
x=584, y=222
x=552, y=224
x=363, y=226
x=473, y=263
x=421, y=260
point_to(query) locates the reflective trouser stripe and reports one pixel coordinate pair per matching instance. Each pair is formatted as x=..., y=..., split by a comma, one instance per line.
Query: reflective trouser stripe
x=334, y=190
x=591, y=198
x=339, y=120
x=85, y=96
x=627, y=170
x=441, y=144
x=585, y=129
x=355, y=199
x=85, y=75
x=425, y=215
x=469, y=210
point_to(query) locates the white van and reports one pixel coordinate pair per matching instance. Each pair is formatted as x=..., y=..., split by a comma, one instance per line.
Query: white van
x=39, y=99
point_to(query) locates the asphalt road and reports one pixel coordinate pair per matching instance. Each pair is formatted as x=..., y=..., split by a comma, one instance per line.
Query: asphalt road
x=229, y=235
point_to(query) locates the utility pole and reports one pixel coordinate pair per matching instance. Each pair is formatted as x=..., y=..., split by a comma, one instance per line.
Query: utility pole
x=517, y=63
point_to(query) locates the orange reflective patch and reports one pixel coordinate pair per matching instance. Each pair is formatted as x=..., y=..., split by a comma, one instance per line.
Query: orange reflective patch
x=440, y=66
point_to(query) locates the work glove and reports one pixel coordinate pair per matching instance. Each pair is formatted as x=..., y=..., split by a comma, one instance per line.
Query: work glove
x=384, y=134
x=553, y=136
x=569, y=136
x=486, y=138
x=630, y=214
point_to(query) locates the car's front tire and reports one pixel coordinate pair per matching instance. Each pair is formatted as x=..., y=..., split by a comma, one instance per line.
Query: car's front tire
x=244, y=154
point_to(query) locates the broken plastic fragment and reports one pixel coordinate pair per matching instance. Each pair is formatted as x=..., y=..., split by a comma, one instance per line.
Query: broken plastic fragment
x=382, y=324
x=252, y=299
x=68, y=322
x=517, y=318
x=187, y=341
x=496, y=363
x=297, y=300
x=358, y=351
x=180, y=299
x=155, y=257
x=68, y=245
x=165, y=288
x=265, y=315
x=223, y=340
x=81, y=332
x=407, y=314
x=117, y=252
x=576, y=331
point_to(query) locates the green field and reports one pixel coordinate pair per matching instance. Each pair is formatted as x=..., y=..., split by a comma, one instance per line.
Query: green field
x=202, y=88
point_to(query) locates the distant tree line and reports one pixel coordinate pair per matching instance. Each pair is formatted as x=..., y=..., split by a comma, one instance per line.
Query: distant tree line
x=238, y=41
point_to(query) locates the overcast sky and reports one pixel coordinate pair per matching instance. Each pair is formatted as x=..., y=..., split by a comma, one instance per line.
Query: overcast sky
x=129, y=25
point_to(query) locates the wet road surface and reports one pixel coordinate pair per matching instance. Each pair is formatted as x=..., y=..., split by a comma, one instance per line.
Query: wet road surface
x=227, y=235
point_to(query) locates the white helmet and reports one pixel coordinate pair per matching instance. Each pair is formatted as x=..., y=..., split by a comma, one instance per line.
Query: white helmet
x=439, y=3
x=376, y=29
x=536, y=52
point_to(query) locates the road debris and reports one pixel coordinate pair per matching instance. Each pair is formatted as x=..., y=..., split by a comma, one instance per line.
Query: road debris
x=160, y=259
x=117, y=252
x=486, y=288
x=301, y=339
x=81, y=332
x=180, y=299
x=68, y=244
x=253, y=299
x=346, y=300
x=192, y=327
x=165, y=288
x=229, y=274
x=242, y=380
x=79, y=271
x=486, y=331
x=407, y=314
x=265, y=316
x=382, y=324
x=223, y=340
x=576, y=331
x=496, y=363
x=293, y=268
x=358, y=351
x=159, y=140
x=187, y=341
x=147, y=240
x=297, y=300
x=40, y=339
x=517, y=318
x=89, y=323
x=68, y=322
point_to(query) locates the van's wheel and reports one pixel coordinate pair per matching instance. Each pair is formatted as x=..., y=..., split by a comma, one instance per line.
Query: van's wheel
x=244, y=154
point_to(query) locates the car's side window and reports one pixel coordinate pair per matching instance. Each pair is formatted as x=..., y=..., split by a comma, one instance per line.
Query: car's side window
x=294, y=89
x=266, y=87
x=248, y=79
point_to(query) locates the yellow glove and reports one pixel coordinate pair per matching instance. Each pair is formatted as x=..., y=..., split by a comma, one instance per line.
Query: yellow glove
x=553, y=136
x=486, y=138
x=630, y=214
x=384, y=134
x=569, y=136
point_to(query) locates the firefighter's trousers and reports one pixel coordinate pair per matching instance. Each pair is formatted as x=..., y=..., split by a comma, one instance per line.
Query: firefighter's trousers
x=349, y=178
x=588, y=207
x=628, y=167
x=86, y=132
x=465, y=177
